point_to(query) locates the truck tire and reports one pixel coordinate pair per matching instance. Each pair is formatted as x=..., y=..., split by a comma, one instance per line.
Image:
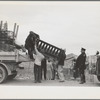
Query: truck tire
x=12, y=76
x=3, y=74
x=98, y=77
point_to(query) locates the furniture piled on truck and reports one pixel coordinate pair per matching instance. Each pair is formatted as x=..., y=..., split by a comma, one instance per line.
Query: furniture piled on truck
x=49, y=50
x=9, y=52
x=10, y=55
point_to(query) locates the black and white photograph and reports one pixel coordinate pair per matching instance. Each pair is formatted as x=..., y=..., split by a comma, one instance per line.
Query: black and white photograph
x=50, y=43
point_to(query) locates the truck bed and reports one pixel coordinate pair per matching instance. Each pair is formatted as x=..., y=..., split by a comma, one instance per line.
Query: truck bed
x=13, y=57
x=7, y=56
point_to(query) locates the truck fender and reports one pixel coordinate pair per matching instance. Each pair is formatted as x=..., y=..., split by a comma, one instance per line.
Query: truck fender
x=5, y=66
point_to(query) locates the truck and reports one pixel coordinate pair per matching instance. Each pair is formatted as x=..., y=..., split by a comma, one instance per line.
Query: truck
x=11, y=56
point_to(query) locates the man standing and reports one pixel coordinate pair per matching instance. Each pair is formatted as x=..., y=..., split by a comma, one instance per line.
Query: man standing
x=61, y=60
x=44, y=68
x=37, y=65
x=80, y=64
x=54, y=69
x=97, y=62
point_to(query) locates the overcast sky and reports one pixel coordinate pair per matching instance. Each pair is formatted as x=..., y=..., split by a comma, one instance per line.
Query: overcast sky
x=69, y=25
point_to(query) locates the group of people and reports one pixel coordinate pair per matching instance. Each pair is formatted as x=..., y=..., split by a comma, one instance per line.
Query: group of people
x=49, y=67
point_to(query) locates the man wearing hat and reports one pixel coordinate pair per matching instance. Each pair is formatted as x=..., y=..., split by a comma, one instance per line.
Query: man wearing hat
x=61, y=60
x=97, y=53
x=80, y=64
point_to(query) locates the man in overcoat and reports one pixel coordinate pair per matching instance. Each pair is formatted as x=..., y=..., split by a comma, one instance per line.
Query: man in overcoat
x=80, y=64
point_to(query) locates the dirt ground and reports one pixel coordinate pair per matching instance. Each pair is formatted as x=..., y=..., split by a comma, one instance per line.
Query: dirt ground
x=25, y=77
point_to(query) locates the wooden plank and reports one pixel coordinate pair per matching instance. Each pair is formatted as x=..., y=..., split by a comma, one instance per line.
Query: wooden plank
x=7, y=58
x=17, y=31
x=7, y=53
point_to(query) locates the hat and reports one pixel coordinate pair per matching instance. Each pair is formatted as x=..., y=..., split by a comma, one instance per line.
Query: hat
x=97, y=52
x=83, y=49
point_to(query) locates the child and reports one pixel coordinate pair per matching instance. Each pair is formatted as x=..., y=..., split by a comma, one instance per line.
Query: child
x=49, y=70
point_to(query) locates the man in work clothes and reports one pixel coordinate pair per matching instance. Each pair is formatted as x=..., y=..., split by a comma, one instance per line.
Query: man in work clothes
x=80, y=64
x=54, y=69
x=37, y=65
x=61, y=60
x=44, y=68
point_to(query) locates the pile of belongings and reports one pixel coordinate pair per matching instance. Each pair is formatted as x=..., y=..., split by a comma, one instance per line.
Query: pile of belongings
x=30, y=43
x=6, y=42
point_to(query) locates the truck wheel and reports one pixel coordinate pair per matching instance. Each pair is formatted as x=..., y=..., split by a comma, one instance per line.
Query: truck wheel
x=98, y=77
x=12, y=76
x=3, y=74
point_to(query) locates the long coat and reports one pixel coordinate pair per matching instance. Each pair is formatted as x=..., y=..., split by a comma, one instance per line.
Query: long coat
x=80, y=62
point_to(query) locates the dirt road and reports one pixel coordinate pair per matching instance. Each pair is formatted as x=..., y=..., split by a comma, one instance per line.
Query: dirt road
x=26, y=78
x=30, y=82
